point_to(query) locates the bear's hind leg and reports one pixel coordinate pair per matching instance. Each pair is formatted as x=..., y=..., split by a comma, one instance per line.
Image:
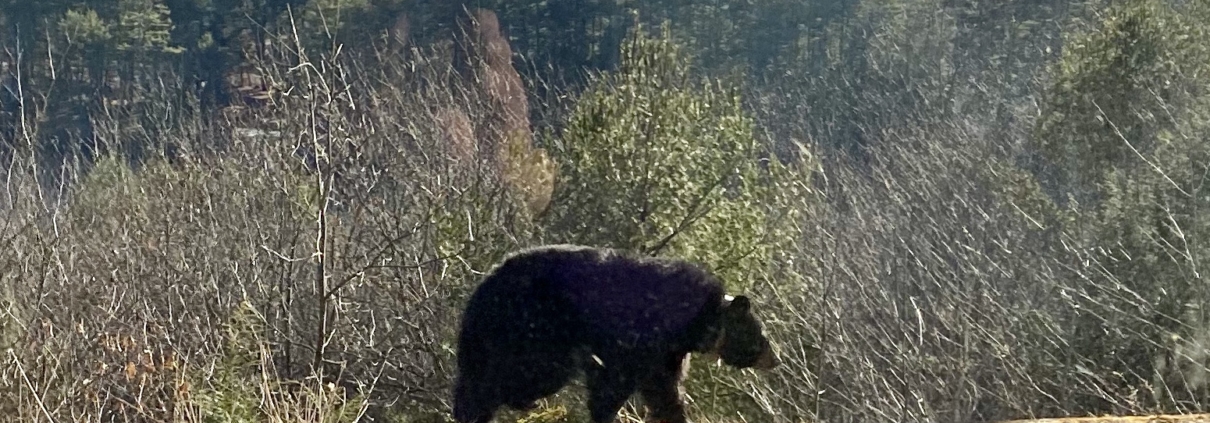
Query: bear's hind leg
x=607, y=393
x=470, y=406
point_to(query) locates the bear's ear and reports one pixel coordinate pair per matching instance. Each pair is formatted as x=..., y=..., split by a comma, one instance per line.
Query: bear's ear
x=740, y=304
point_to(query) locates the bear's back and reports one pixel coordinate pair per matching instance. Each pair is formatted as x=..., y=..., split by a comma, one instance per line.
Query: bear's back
x=629, y=299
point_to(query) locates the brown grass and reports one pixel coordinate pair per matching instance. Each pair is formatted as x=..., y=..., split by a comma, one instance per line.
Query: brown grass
x=1155, y=418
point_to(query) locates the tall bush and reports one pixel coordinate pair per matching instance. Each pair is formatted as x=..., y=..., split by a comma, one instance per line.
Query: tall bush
x=1123, y=132
x=654, y=160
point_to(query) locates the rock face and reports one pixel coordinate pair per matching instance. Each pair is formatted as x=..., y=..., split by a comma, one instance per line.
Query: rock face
x=501, y=134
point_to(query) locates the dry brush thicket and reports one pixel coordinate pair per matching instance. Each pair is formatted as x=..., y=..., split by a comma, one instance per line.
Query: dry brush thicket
x=338, y=215
x=306, y=260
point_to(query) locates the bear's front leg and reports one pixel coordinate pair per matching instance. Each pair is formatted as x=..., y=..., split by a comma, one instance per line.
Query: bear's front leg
x=661, y=391
x=608, y=390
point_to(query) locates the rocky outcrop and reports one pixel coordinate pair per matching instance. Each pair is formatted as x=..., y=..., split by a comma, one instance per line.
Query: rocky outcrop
x=502, y=132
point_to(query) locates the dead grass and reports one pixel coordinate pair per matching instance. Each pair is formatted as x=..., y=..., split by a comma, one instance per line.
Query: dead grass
x=1156, y=418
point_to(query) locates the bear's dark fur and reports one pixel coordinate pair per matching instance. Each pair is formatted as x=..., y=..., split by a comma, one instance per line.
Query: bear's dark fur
x=546, y=314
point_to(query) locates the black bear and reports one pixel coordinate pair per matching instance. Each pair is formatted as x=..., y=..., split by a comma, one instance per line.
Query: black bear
x=626, y=323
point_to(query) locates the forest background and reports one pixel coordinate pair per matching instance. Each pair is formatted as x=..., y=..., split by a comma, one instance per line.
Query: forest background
x=272, y=210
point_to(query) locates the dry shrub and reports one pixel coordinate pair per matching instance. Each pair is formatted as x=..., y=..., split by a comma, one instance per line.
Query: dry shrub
x=338, y=215
x=458, y=134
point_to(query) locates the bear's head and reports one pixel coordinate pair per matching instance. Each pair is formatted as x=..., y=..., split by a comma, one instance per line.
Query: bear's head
x=741, y=343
